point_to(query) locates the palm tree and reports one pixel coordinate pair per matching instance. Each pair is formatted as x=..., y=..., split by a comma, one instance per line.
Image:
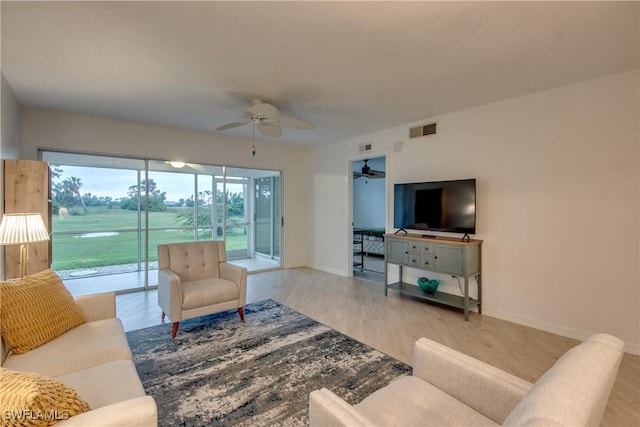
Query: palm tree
x=73, y=185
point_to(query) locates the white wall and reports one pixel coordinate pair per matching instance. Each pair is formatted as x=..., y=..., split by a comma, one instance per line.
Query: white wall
x=88, y=134
x=11, y=118
x=557, y=201
x=10, y=124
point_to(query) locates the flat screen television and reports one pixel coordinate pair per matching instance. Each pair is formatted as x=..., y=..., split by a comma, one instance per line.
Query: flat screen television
x=438, y=206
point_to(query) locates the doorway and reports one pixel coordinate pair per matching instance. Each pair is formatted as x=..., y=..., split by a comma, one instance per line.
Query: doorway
x=368, y=202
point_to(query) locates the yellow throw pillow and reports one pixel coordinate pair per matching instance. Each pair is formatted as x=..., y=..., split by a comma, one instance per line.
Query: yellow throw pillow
x=36, y=309
x=34, y=400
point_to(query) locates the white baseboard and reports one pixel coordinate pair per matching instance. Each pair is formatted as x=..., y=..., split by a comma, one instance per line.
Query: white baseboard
x=329, y=270
x=629, y=347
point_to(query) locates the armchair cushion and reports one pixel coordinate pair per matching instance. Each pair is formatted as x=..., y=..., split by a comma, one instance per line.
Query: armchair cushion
x=410, y=401
x=205, y=292
x=194, y=261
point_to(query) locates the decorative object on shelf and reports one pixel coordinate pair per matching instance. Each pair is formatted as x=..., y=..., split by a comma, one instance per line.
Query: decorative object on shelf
x=22, y=229
x=428, y=285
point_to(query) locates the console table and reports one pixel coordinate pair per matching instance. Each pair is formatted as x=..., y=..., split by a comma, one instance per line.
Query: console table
x=460, y=259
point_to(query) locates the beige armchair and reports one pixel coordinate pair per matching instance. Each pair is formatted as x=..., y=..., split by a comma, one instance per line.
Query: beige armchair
x=194, y=279
x=448, y=388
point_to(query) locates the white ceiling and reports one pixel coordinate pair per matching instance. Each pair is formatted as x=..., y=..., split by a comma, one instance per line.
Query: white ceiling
x=350, y=67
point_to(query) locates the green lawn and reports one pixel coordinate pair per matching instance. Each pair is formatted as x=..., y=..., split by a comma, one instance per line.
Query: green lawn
x=85, y=250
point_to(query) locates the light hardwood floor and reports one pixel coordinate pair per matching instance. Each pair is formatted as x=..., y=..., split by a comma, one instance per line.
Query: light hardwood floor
x=358, y=308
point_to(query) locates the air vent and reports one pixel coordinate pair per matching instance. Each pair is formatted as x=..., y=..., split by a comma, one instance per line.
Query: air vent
x=365, y=147
x=424, y=130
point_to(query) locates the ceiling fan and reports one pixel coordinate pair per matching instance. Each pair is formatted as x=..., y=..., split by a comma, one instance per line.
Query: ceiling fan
x=265, y=117
x=367, y=172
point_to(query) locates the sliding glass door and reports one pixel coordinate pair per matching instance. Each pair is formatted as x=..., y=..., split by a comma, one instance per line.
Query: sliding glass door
x=267, y=217
x=259, y=201
x=94, y=231
x=110, y=213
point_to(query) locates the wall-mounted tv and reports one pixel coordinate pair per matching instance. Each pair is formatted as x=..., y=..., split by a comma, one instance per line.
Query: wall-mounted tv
x=438, y=206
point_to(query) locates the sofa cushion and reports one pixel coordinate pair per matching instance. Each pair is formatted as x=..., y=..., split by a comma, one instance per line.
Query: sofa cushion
x=575, y=391
x=36, y=400
x=90, y=344
x=410, y=401
x=36, y=309
x=201, y=293
x=105, y=384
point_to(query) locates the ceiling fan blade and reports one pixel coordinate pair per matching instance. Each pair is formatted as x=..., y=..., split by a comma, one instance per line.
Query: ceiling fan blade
x=232, y=125
x=273, y=131
x=294, y=123
x=262, y=109
x=377, y=174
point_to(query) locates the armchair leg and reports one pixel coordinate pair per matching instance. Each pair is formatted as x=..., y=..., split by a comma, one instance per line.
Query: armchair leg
x=174, y=332
x=241, y=313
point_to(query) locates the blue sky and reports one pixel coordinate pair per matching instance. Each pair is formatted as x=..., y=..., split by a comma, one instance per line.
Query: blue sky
x=114, y=183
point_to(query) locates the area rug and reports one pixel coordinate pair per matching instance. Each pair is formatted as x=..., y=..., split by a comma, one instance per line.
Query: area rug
x=220, y=371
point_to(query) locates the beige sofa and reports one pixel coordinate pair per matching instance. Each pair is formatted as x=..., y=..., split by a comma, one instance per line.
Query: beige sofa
x=95, y=360
x=448, y=388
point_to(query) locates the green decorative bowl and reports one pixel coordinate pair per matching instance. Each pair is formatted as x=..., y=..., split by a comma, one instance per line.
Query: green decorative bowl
x=428, y=285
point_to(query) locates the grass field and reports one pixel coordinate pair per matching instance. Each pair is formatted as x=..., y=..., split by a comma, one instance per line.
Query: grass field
x=91, y=246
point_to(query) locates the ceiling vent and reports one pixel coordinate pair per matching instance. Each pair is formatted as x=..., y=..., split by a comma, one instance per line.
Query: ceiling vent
x=365, y=147
x=424, y=130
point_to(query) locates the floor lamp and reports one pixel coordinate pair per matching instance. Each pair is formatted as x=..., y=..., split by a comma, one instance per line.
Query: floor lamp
x=22, y=229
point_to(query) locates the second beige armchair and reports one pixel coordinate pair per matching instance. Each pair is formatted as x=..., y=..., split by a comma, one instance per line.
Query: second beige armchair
x=194, y=279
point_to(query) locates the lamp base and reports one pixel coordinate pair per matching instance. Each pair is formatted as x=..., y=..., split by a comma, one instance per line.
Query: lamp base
x=23, y=260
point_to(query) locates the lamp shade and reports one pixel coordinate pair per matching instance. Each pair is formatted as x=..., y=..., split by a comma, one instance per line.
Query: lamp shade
x=20, y=228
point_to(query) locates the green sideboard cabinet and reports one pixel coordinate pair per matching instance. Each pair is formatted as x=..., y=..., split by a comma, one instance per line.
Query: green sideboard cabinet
x=461, y=259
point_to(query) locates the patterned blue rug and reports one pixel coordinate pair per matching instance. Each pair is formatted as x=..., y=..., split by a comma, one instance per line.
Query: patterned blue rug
x=220, y=371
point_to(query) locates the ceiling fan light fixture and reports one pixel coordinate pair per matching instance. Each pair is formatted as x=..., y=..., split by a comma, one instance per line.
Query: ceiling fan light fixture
x=367, y=172
x=365, y=169
x=266, y=117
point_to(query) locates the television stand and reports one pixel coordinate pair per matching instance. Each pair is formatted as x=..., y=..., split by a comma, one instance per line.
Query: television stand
x=443, y=255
